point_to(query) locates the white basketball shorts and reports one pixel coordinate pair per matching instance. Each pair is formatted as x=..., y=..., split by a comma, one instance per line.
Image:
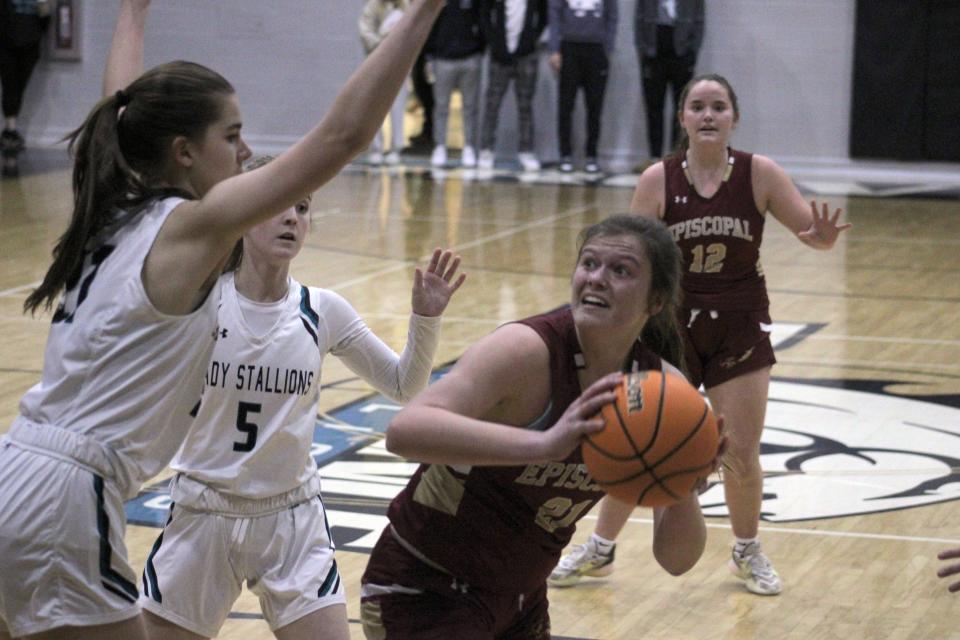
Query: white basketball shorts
x=197, y=566
x=63, y=561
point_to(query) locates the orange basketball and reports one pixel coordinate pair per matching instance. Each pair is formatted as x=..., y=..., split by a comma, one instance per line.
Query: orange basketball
x=659, y=441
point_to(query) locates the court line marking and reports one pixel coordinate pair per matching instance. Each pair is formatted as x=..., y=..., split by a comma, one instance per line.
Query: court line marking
x=892, y=340
x=896, y=365
x=23, y=287
x=406, y=264
x=817, y=532
x=813, y=336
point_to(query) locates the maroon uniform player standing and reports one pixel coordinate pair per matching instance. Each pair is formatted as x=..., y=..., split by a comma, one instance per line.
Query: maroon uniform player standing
x=481, y=524
x=714, y=200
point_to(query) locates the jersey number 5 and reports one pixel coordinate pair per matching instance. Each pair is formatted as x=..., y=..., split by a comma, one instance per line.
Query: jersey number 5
x=247, y=427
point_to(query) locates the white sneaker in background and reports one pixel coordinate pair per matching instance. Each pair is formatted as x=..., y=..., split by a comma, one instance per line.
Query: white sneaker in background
x=375, y=158
x=486, y=159
x=591, y=166
x=469, y=157
x=528, y=161
x=439, y=156
x=585, y=560
x=566, y=165
x=392, y=158
x=754, y=568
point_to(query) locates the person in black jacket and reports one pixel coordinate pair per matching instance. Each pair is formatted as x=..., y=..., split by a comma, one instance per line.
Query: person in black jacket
x=22, y=23
x=668, y=35
x=512, y=29
x=455, y=54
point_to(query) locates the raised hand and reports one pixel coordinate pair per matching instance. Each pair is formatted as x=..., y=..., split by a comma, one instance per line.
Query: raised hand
x=824, y=230
x=432, y=289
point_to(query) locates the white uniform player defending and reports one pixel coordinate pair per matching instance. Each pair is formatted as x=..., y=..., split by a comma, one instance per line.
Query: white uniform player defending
x=135, y=273
x=246, y=499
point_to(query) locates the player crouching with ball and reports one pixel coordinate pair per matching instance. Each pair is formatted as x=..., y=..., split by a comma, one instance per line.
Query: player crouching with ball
x=483, y=520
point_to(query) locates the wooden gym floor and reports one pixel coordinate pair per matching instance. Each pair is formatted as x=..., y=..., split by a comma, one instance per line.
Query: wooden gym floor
x=861, y=449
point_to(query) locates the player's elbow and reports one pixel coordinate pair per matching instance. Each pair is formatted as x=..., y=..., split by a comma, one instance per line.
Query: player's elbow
x=680, y=554
x=400, y=438
x=394, y=441
x=678, y=566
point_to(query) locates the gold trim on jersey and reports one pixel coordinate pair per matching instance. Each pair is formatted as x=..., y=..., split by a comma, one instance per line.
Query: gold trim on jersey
x=372, y=620
x=726, y=172
x=439, y=489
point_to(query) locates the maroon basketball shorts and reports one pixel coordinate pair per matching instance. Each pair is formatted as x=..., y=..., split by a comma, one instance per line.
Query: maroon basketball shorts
x=722, y=345
x=404, y=598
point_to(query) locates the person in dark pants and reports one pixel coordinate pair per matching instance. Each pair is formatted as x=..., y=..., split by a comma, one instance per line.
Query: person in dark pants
x=582, y=35
x=22, y=24
x=668, y=34
x=455, y=55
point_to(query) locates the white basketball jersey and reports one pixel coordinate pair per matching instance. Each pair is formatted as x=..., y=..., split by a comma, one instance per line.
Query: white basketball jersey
x=255, y=422
x=116, y=369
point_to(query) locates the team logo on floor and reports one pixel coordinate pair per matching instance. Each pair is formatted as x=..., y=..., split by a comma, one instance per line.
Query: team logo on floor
x=829, y=449
x=832, y=449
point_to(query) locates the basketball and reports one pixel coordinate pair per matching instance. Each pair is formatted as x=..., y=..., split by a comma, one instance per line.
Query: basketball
x=659, y=441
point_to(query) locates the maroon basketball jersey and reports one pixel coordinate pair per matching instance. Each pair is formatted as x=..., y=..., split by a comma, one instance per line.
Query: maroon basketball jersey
x=719, y=238
x=503, y=528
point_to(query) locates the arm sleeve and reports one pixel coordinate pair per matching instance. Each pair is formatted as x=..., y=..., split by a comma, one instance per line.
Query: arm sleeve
x=400, y=377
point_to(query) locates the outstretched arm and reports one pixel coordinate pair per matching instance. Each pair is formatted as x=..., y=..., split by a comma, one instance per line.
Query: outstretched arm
x=125, y=60
x=776, y=193
x=199, y=234
x=240, y=202
x=400, y=377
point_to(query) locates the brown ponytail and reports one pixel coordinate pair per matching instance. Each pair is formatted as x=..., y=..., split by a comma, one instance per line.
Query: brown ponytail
x=120, y=152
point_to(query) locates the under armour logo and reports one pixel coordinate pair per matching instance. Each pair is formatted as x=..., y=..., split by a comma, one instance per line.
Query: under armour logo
x=680, y=199
x=219, y=333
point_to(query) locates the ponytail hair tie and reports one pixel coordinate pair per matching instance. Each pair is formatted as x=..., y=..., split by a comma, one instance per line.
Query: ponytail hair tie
x=123, y=98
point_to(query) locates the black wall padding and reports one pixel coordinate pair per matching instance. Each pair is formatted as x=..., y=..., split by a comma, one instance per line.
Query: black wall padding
x=888, y=78
x=943, y=82
x=906, y=80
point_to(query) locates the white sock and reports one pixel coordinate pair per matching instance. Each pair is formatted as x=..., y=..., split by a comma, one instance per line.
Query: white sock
x=603, y=544
x=742, y=543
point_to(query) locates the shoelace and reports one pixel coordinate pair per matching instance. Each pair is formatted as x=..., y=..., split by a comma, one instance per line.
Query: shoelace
x=759, y=565
x=571, y=561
